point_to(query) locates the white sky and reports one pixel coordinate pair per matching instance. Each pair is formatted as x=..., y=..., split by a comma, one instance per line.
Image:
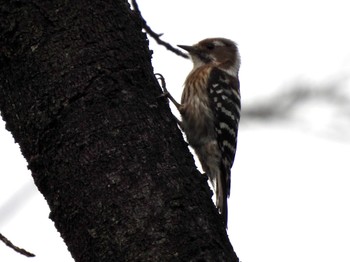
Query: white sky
x=290, y=180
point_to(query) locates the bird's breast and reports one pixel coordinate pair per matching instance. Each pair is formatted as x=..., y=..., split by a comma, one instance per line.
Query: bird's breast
x=195, y=107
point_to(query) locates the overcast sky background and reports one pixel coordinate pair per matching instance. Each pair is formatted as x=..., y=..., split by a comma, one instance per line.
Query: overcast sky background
x=290, y=181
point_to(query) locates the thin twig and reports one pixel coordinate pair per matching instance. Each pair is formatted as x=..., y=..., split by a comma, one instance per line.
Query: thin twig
x=156, y=36
x=15, y=248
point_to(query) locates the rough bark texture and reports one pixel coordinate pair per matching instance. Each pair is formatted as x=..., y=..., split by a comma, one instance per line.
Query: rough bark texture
x=78, y=93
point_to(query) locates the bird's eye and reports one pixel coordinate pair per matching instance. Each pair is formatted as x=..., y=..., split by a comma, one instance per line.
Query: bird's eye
x=210, y=46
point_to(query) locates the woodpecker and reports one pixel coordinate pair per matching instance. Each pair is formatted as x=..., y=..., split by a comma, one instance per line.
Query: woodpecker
x=210, y=111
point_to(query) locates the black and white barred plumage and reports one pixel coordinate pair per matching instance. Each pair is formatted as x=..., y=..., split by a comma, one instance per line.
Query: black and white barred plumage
x=225, y=100
x=210, y=110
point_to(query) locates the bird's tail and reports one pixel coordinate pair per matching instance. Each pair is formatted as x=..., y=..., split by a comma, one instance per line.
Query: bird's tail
x=221, y=193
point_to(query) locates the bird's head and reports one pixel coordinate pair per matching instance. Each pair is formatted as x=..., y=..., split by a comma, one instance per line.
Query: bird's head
x=220, y=52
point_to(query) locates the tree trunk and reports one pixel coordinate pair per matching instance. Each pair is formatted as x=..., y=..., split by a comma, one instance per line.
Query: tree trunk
x=78, y=93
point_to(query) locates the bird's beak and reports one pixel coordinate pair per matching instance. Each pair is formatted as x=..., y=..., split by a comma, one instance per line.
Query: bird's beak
x=188, y=48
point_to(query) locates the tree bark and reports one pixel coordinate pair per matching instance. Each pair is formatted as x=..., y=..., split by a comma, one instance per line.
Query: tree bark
x=78, y=93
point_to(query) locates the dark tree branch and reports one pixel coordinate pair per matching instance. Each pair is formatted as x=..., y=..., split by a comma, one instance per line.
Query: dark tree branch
x=15, y=248
x=78, y=93
x=156, y=36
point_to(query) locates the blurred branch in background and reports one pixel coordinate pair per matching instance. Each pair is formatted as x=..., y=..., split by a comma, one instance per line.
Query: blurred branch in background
x=323, y=108
x=15, y=202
